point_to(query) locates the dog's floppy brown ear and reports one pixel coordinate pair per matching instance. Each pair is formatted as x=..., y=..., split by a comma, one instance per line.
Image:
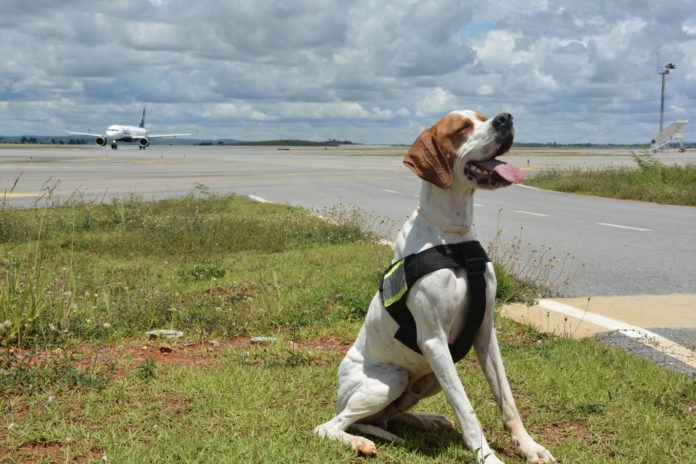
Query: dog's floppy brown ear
x=426, y=159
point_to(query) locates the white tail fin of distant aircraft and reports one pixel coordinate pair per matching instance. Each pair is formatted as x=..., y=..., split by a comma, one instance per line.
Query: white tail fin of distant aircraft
x=118, y=133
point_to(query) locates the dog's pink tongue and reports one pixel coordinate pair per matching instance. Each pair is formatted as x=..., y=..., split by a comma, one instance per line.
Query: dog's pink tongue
x=509, y=172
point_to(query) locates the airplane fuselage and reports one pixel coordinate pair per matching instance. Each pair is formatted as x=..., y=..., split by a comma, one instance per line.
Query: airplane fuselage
x=125, y=133
x=119, y=133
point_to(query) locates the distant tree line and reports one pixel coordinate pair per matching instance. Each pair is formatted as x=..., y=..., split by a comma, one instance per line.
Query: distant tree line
x=297, y=143
x=42, y=140
x=580, y=145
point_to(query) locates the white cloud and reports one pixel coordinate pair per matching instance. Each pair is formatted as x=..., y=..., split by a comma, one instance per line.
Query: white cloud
x=485, y=90
x=339, y=110
x=234, y=110
x=435, y=102
x=689, y=28
x=619, y=40
x=498, y=50
x=364, y=70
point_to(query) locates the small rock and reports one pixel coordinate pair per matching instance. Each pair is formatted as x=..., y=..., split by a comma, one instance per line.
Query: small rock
x=165, y=349
x=262, y=340
x=164, y=333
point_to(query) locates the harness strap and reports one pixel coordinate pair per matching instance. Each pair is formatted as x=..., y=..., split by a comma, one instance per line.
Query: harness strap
x=401, y=276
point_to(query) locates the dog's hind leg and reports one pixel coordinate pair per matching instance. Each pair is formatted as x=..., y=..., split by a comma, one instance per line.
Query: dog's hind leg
x=424, y=421
x=364, y=390
x=398, y=411
x=378, y=432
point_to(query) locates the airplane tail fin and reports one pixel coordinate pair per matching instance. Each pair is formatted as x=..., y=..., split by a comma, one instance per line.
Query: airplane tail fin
x=142, y=119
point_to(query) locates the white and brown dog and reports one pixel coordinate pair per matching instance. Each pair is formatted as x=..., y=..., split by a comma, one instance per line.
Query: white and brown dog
x=380, y=378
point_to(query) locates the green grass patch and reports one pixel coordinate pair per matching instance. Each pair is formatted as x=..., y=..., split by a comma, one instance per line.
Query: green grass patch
x=650, y=181
x=211, y=266
x=588, y=403
x=81, y=282
x=569, y=153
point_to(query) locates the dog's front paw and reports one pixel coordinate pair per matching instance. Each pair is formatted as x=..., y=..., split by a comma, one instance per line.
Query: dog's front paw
x=364, y=447
x=534, y=452
x=489, y=458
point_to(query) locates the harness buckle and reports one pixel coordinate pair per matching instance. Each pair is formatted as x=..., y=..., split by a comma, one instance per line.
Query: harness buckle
x=475, y=266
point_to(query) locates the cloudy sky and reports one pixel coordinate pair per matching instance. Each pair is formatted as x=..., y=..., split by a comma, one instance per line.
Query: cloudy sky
x=372, y=71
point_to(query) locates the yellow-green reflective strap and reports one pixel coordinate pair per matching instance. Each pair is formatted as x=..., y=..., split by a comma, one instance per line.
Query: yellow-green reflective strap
x=394, y=298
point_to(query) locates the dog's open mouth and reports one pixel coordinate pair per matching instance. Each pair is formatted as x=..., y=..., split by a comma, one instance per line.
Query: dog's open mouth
x=493, y=173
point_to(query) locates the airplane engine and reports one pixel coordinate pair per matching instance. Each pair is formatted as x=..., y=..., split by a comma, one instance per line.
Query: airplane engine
x=101, y=141
x=144, y=142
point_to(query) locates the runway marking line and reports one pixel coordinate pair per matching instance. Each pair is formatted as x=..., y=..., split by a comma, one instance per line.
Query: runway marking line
x=389, y=191
x=531, y=213
x=618, y=226
x=19, y=195
x=258, y=199
x=639, y=334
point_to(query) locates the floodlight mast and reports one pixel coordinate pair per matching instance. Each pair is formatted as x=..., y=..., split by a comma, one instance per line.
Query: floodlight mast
x=663, y=72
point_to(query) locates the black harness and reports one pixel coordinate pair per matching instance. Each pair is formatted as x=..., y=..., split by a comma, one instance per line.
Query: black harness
x=401, y=275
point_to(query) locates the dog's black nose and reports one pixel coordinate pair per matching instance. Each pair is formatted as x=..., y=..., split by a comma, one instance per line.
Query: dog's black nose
x=502, y=121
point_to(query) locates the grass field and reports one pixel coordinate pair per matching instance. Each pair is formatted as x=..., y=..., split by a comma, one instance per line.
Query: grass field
x=79, y=382
x=650, y=180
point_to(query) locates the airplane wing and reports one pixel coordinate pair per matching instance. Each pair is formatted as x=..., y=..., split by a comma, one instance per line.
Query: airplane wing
x=85, y=133
x=157, y=136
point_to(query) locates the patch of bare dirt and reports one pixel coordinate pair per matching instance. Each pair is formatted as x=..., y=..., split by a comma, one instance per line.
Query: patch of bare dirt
x=129, y=354
x=48, y=451
x=328, y=344
x=565, y=430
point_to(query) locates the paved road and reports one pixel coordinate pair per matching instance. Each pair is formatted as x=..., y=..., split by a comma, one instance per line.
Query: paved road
x=610, y=247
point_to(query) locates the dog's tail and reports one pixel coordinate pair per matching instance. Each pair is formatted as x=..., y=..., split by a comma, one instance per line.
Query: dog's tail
x=378, y=432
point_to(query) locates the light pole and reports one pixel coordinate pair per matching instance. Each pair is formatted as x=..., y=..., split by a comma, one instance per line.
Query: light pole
x=668, y=67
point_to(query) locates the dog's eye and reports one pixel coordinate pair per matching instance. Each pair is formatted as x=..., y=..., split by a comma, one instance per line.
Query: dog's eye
x=464, y=128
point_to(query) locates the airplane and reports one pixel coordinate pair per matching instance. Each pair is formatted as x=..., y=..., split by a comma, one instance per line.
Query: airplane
x=117, y=133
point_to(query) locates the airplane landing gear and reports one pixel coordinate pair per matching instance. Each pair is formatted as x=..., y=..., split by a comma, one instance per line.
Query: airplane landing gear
x=114, y=146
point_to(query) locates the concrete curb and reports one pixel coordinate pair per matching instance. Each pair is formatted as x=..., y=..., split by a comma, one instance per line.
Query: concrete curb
x=638, y=318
